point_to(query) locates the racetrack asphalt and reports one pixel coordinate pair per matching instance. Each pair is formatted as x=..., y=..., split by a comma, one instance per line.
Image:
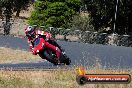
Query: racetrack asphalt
x=105, y=56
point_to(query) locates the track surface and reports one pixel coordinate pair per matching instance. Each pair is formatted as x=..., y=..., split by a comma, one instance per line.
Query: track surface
x=80, y=53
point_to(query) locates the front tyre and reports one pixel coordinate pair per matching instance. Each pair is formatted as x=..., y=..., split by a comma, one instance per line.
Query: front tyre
x=68, y=61
x=64, y=59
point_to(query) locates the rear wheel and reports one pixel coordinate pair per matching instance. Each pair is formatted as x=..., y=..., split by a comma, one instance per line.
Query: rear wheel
x=50, y=56
x=47, y=54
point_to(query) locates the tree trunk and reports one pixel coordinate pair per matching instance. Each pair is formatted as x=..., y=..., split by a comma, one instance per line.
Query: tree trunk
x=0, y=13
x=18, y=13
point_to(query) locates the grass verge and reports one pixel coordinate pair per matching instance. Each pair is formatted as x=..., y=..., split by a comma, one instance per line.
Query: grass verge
x=8, y=55
x=58, y=78
x=53, y=79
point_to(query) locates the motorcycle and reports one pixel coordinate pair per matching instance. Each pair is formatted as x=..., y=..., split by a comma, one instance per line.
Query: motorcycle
x=48, y=54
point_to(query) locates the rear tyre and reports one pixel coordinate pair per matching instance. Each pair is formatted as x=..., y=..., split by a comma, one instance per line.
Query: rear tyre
x=47, y=55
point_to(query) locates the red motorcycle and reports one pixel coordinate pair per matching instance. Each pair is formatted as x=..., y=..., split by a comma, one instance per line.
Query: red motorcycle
x=49, y=54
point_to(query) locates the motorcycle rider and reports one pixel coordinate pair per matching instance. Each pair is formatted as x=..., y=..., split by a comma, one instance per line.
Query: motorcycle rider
x=33, y=32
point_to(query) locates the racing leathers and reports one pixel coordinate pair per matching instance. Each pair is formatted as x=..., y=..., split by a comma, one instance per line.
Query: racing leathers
x=48, y=36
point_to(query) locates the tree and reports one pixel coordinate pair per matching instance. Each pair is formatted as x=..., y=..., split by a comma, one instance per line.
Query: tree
x=102, y=12
x=7, y=7
x=56, y=13
x=0, y=9
x=21, y=5
x=82, y=23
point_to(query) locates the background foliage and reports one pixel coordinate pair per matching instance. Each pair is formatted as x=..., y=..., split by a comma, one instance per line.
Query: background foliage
x=102, y=13
x=60, y=13
x=56, y=13
x=82, y=23
x=7, y=7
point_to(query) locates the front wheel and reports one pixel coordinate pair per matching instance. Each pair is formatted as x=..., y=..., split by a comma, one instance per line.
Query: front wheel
x=68, y=61
x=64, y=59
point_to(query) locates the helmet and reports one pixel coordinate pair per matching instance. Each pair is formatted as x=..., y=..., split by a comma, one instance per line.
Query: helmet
x=30, y=31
